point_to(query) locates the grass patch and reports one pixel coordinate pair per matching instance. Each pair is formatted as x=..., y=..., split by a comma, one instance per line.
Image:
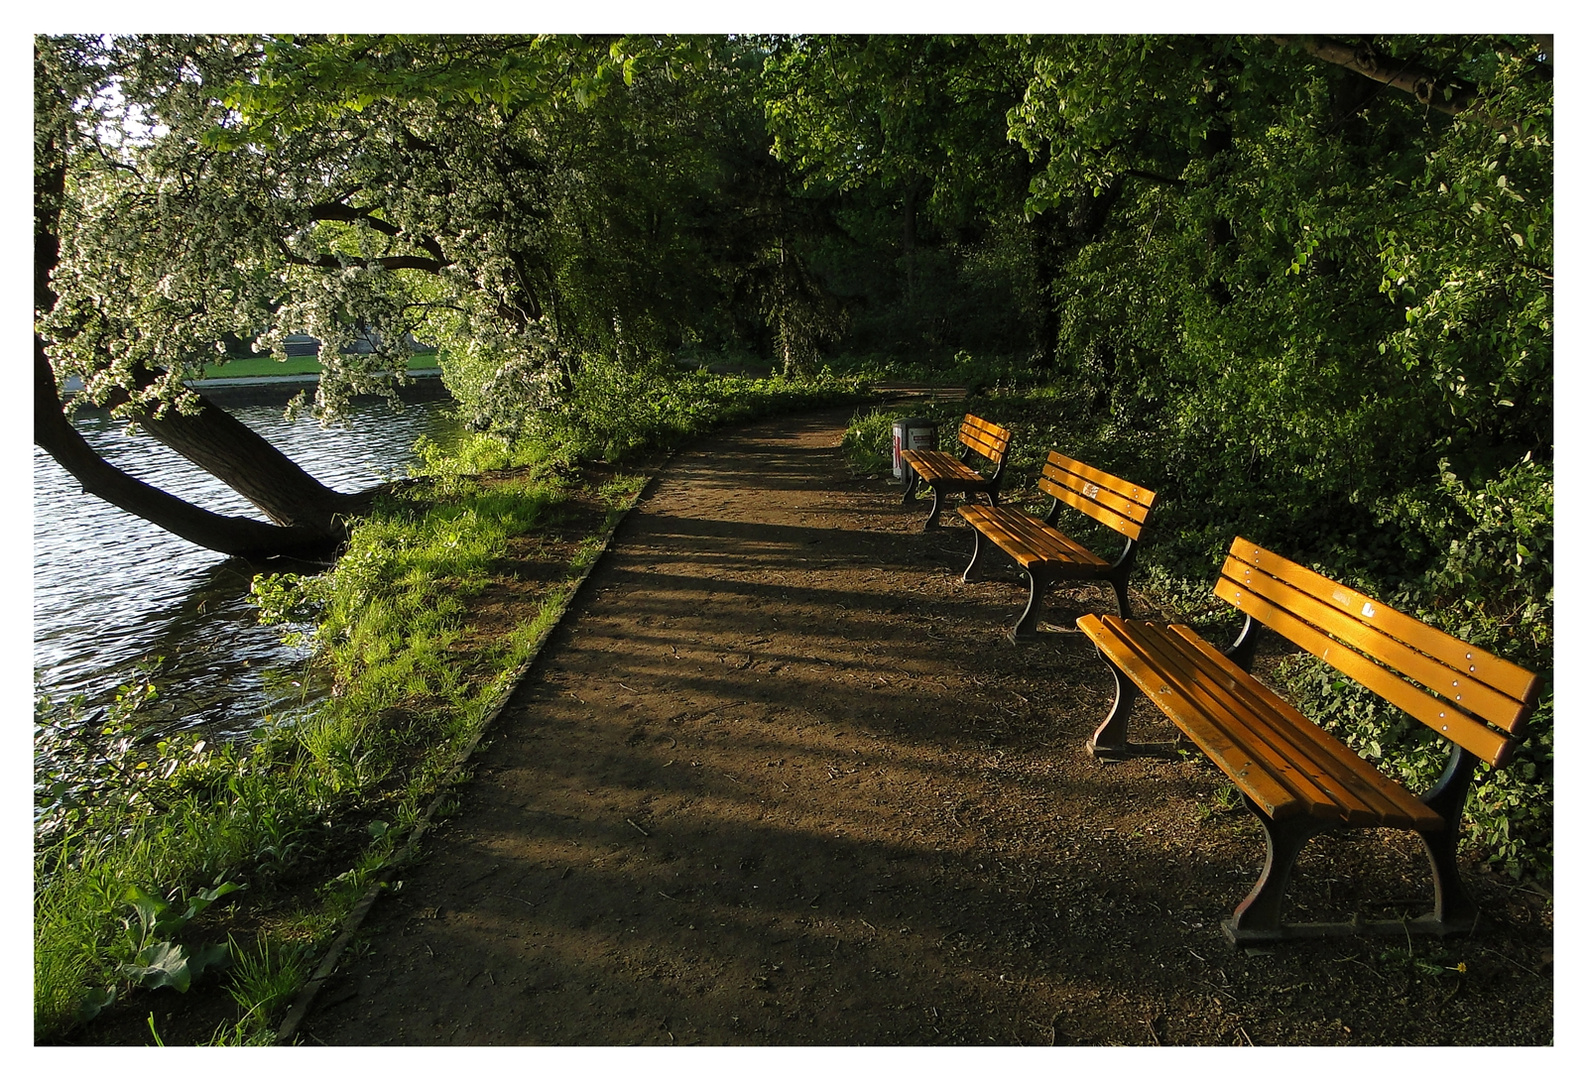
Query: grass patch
x=257, y=367
x=415, y=677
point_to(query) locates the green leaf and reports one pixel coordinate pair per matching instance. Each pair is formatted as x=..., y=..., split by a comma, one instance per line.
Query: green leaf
x=162, y=964
x=94, y=1002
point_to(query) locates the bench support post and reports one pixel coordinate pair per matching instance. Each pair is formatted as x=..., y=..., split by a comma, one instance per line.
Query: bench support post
x=1111, y=739
x=1257, y=917
x=1025, y=628
x=1453, y=907
x=975, y=557
x=1119, y=575
x=1243, y=651
x=911, y=481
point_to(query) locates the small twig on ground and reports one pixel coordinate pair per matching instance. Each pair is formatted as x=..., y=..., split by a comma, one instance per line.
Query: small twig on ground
x=642, y=832
x=1517, y=963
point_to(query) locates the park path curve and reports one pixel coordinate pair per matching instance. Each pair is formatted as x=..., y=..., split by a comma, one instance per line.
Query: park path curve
x=778, y=778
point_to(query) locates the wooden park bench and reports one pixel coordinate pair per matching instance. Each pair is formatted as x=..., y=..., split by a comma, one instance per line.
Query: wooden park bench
x=1046, y=554
x=1297, y=778
x=946, y=473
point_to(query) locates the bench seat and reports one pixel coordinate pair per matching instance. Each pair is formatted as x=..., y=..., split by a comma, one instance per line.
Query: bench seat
x=948, y=474
x=940, y=468
x=1027, y=540
x=1046, y=553
x=1277, y=758
x=1298, y=779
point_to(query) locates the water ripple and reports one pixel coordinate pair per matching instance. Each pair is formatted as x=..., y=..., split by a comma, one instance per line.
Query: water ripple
x=112, y=592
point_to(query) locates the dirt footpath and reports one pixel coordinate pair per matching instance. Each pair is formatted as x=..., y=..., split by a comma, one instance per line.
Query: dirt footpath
x=779, y=778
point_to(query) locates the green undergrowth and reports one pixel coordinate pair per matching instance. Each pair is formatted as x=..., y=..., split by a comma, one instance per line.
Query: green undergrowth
x=1470, y=555
x=617, y=412
x=167, y=821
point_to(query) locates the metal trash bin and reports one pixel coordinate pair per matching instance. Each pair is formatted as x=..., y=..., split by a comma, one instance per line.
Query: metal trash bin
x=911, y=433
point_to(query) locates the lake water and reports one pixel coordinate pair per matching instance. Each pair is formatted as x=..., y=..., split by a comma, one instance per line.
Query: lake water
x=112, y=592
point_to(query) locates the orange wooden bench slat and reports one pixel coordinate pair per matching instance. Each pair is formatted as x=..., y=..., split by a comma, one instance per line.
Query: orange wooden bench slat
x=1087, y=489
x=1259, y=748
x=1087, y=502
x=1469, y=695
x=1277, y=799
x=1022, y=536
x=940, y=465
x=1509, y=679
x=1492, y=746
x=1390, y=802
x=982, y=443
x=987, y=438
x=1326, y=779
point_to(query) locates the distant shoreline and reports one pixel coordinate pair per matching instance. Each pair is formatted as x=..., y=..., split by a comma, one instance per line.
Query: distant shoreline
x=425, y=385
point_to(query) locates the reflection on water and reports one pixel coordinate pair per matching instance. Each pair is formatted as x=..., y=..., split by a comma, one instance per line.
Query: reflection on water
x=111, y=591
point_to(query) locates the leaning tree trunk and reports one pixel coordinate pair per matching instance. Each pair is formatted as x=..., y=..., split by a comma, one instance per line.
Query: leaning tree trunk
x=241, y=536
x=251, y=465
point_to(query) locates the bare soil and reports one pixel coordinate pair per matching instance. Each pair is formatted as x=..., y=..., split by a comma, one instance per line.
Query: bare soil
x=779, y=778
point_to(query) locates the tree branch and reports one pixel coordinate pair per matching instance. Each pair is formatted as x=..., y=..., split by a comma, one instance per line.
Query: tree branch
x=336, y=211
x=1156, y=178
x=385, y=262
x=1447, y=96
x=240, y=536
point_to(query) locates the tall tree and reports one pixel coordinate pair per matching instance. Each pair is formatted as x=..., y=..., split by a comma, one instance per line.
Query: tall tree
x=1313, y=271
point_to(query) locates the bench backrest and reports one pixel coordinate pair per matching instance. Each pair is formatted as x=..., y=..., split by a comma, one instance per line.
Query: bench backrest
x=1469, y=696
x=1118, y=504
x=985, y=438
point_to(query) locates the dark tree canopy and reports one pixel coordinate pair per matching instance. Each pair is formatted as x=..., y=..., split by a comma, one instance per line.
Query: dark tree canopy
x=1364, y=225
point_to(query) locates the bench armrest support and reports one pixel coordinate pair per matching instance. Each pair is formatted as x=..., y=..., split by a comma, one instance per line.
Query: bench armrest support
x=1243, y=651
x=1451, y=902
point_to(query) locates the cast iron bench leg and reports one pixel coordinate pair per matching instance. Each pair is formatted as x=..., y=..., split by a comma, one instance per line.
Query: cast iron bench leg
x=936, y=508
x=910, y=484
x=1113, y=735
x=1453, y=908
x=1257, y=917
x=975, y=557
x=1117, y=580
x=1025, y=629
